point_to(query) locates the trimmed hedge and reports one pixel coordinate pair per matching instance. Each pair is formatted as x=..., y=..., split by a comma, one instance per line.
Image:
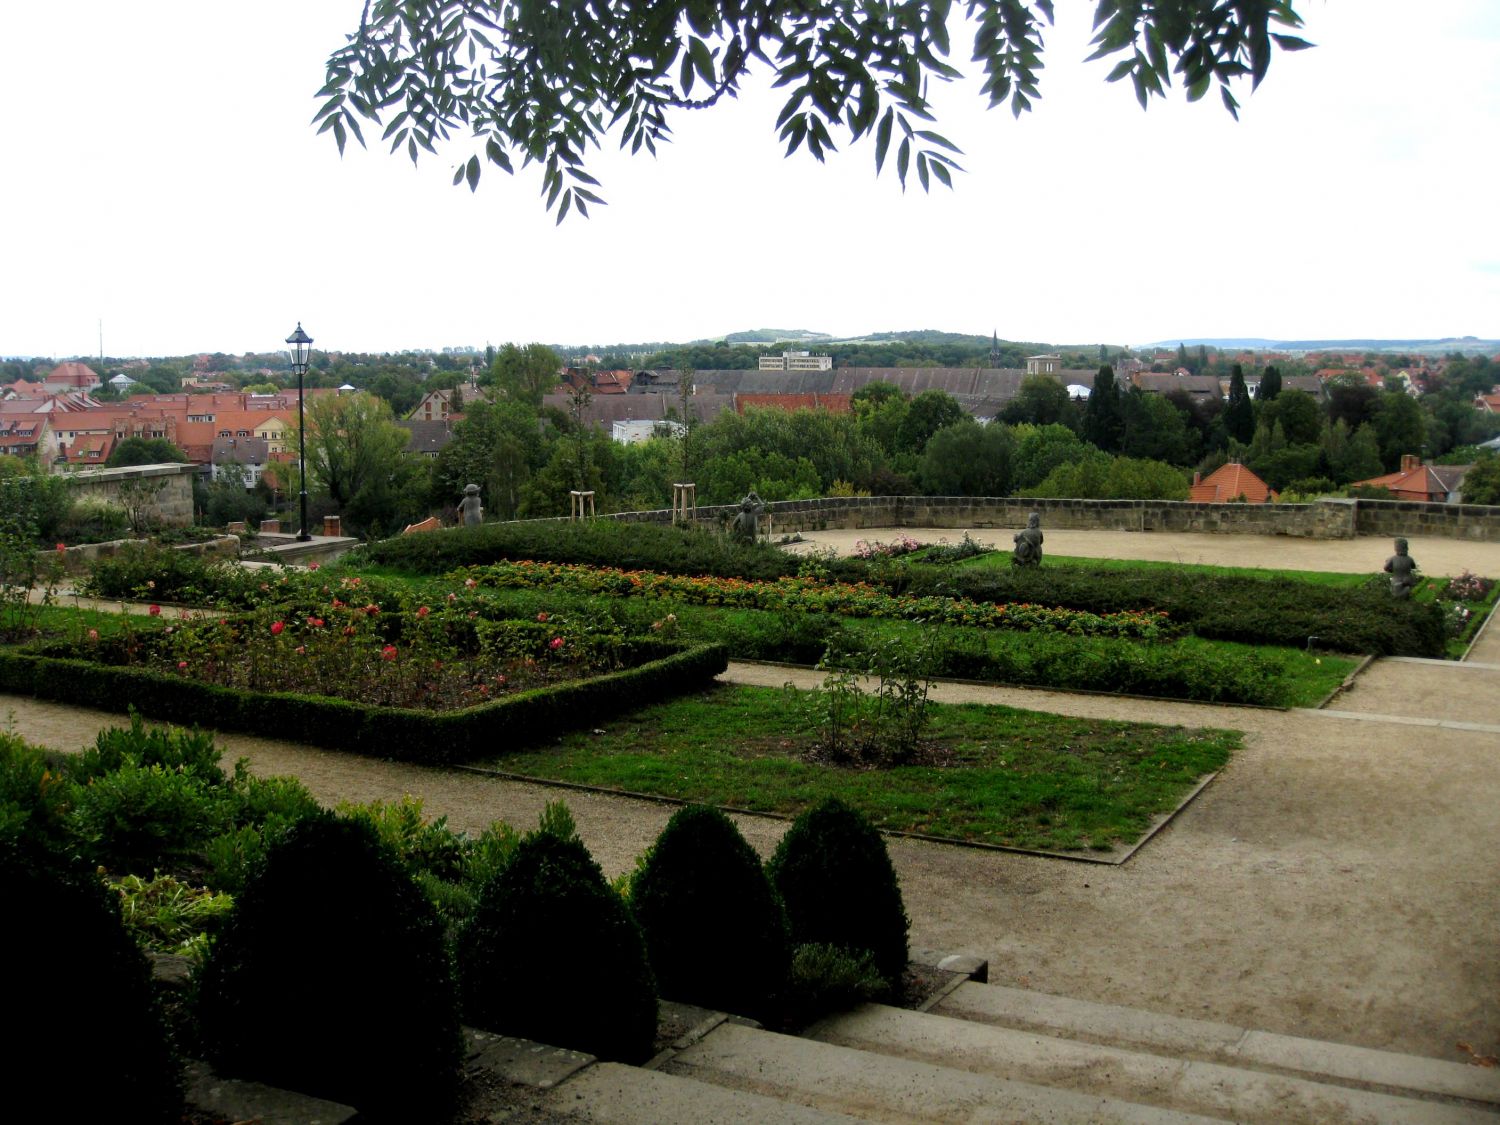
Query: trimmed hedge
x=714, y=926
x=332, y=978
x=88, y=1042
x=634, y=546
x=839, y=887
x=1219, y=607
x=552, y=954
x=384, y=732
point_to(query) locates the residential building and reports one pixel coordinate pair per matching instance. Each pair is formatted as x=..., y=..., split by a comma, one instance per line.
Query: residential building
x=250, y=453
x=1229, y=483
x=633, y=431
x=1429, y=484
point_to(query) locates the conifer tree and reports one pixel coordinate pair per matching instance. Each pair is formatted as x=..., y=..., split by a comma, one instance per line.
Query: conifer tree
x=1103, y=417
x=1239, y=412
x=1270, y=385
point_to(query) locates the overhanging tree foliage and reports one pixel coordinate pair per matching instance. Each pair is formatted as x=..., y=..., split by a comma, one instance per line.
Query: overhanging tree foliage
x=543, y=82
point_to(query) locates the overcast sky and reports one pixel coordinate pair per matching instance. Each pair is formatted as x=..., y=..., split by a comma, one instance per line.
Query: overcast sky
x=162, y=177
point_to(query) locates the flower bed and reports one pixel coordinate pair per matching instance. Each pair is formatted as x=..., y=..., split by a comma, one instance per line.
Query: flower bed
x=807, y=596
x=367, y=692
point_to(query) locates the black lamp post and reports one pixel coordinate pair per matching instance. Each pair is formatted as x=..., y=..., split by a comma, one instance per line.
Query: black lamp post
x=300, y=343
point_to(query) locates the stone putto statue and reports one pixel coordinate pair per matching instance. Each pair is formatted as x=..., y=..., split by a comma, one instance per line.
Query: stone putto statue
x=746, y=526
x=470, y=511
x=1028, y=550
x=1403, y=571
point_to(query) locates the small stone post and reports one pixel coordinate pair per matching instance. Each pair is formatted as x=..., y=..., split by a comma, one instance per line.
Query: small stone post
x=684, y=503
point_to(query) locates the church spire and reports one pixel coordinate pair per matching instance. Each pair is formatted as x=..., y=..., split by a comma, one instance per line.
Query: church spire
x=995, y=348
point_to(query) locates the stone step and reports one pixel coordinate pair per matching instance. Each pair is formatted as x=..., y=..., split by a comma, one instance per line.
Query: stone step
x=1187, y=1038
x=614, y=1094
x=1212, y=1089
x=877, y=1087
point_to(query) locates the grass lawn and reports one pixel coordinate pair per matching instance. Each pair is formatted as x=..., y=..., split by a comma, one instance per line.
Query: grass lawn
x=1017, y=778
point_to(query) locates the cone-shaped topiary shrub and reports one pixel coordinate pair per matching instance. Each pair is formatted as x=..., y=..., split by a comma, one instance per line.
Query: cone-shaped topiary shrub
x=552, y=954
x=87, y=1038
x=332, y=978
x=715, y=928
x=839, y=886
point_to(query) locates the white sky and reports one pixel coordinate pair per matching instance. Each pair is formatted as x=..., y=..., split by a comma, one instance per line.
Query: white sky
x=161, y=175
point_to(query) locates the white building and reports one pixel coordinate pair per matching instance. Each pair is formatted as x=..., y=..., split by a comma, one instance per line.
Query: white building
x=633, y=431
x=796, y=361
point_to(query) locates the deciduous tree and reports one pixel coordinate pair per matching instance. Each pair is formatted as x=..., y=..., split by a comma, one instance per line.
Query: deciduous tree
x=543, y=83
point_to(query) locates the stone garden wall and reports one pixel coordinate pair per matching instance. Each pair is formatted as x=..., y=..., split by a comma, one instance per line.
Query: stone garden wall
x=1322, y=519
x=164, y=491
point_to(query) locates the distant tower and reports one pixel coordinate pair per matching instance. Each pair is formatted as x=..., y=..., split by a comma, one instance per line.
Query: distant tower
x=995, y=349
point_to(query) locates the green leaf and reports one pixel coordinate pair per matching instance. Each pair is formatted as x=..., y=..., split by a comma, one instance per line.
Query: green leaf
x=702, y=59
x=471, y=172
x=883, y=139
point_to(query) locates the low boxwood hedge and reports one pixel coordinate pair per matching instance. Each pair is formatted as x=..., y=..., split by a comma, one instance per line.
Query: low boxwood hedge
x=1263, y=611
x=664, y=670
x=634, y=546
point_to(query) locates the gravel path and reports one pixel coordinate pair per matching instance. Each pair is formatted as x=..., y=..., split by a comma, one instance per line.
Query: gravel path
x=1337, y=880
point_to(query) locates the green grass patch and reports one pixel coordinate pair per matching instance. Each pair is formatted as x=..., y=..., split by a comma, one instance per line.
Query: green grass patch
x=1015, y=778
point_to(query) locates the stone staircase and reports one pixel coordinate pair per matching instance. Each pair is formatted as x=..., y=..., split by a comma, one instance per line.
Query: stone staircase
x=985, y=1053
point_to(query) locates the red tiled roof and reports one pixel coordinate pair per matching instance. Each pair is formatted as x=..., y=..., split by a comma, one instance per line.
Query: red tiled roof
x=1230, y=482
x=73, y=374
x=1412, y=482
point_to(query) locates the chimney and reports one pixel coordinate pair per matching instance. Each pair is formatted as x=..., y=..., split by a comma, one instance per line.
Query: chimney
x=1197, y=477
x=1410, y=461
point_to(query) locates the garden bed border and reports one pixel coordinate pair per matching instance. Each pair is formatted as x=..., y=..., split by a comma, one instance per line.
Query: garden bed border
x=402, y=734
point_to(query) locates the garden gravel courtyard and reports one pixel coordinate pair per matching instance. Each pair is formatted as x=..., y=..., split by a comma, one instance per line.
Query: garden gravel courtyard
x=1337, y=880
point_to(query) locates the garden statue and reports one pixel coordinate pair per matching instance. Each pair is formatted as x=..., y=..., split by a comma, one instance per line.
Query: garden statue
x=470, y=511
x=1028, y=550
x=746, y=526
x=1403, y=571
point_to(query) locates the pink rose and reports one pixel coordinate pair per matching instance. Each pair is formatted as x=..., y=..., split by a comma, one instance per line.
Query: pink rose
x=276, y=628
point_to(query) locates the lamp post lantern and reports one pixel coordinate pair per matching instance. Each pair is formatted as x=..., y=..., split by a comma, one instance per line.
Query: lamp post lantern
x=300, y=344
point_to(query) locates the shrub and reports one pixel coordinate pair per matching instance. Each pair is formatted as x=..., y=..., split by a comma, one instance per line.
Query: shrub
x=35, y=795
x=714, y=927
x=839, y=887
x=161, y=573
x=137, y=745
x=827, y=978
x=136, y=816
x=331, y=978
x=72, y=969
x=550, y=905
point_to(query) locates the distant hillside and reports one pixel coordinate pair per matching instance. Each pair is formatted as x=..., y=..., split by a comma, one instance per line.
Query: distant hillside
x=772, y=336
x=1445, y=344
x=919, y=336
